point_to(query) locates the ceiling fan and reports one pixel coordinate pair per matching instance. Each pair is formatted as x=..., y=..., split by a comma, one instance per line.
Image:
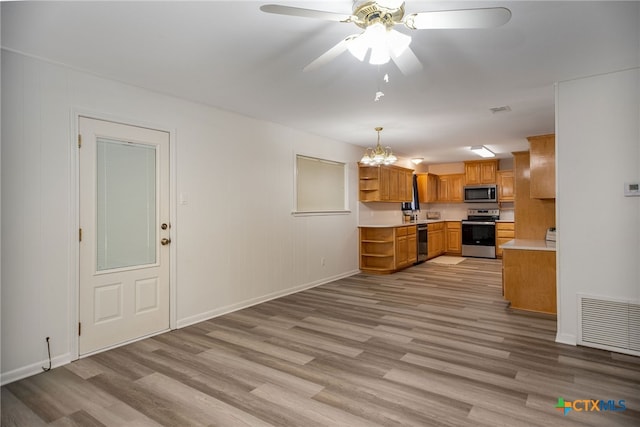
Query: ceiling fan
x=378, y=17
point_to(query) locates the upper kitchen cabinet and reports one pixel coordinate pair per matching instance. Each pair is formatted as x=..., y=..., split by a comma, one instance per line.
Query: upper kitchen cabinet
x=451, y=187
x=480, y=172
x=506, y=185
x=385, y=184
x=542, y=160
x=427, y=187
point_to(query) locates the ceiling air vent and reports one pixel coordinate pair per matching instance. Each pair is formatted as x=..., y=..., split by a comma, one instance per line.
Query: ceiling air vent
x=503, y=109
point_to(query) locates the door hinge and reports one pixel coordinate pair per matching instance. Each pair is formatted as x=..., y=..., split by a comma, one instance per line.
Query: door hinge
x=79, y=141
x=80, y=234
x=79, y=328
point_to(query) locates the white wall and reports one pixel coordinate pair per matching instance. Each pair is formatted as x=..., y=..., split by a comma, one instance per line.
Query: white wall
x=236, y=241
x=597, y=150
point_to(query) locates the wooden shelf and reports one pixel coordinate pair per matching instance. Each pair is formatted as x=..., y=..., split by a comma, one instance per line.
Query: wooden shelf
x=377, y=255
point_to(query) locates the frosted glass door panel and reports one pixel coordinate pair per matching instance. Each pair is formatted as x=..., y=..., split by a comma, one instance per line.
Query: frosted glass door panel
x=126, y=205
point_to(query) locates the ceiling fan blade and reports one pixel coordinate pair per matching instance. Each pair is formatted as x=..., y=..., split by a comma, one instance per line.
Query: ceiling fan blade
x=407, y=62
x=331, y=54
x=458, y=19
x=305, y=13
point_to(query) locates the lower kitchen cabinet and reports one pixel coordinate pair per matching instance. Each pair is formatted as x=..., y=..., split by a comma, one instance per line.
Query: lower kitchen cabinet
x=529, y=279
x=384, y=250
x=435, y=239
x=505, y=231
x=454, y=238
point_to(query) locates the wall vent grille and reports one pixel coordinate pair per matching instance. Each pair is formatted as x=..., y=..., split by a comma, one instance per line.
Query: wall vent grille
x=613, y=325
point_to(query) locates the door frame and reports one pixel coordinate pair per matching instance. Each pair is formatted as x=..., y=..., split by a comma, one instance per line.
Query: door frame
x=74, y=221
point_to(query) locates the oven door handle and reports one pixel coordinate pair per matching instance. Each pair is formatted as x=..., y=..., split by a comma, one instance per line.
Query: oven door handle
x=478, y=223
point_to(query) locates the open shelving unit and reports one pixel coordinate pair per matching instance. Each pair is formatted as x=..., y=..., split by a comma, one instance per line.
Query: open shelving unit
x=369, y=184
x=377, y=249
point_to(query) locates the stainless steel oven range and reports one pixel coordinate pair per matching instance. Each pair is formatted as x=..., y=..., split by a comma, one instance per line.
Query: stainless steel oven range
x=479, y=233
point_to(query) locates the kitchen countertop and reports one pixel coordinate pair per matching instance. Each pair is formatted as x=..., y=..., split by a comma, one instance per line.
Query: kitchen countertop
x=528, y=244
x=400, y=223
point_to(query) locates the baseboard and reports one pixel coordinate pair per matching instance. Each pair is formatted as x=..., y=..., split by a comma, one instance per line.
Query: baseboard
x=201, y=317
x=33, y=369
x=569, y=339
x=36, y=368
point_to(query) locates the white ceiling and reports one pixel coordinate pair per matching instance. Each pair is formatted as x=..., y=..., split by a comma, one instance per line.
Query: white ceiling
x=233, y=56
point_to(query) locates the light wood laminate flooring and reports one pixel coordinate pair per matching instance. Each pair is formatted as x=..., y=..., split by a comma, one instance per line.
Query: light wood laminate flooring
x=433, y=345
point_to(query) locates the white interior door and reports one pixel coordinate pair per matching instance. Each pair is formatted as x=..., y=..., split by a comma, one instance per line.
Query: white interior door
x=124, y=233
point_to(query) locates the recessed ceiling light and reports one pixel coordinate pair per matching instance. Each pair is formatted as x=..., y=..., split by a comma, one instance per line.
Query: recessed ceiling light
x=503, y=109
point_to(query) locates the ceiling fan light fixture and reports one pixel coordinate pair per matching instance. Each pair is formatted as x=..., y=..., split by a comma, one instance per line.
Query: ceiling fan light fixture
x=379, y=55
x=391, y=4
x=358, y=48
x=398, y=42
x=482, y=151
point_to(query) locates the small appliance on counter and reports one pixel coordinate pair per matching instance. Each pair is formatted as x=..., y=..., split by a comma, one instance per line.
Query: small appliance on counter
x=551, y=234
x=409, y=216
x=433, y=215
x=408, y=213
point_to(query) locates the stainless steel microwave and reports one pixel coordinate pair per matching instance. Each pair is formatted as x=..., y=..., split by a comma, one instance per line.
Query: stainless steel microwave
x=481, y=193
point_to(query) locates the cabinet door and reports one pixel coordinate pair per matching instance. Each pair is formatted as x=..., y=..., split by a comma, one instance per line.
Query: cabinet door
x=394, y=185
x=472, y=173
x=488, y=172
x=456, y=188
x=431, y=244
x=427, y=187
x=480, y=172
x=412, y=248
x=384, y=184
x=506, y=186
x=432, y=188
x=542, y=165
x=402, y=251
x=439, y=242
x=443, y=188
x=454, y=237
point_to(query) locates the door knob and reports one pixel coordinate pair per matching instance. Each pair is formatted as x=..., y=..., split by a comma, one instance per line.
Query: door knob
x=165, y=241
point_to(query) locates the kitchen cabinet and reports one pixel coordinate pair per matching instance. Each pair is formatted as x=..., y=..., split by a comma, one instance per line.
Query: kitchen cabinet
x=454, y=238
x=385, y=184
x=480, y=172
x=406, y=247
x=435, y=239
x=451, y=188
x=529, y=279
x=532, y=216
x=427, y=187
x=505, y=231
x=384, y=250
x=506, y=186
x=542, y=163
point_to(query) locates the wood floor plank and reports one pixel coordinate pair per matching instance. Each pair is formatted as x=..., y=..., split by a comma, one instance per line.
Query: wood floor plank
x=309, y=408
x=433, y=345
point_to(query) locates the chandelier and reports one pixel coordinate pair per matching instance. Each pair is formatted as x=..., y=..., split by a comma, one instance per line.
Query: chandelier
x=378, y=156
